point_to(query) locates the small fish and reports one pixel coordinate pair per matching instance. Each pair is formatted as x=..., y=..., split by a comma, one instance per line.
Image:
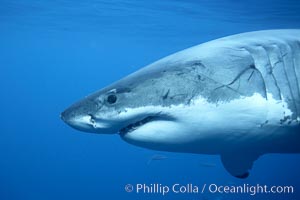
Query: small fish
x=156, y=157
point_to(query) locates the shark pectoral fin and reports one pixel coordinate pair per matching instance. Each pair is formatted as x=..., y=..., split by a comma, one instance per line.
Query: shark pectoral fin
x=238, y=164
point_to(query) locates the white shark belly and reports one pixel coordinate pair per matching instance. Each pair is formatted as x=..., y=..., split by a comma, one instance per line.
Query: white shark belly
x=204, y=127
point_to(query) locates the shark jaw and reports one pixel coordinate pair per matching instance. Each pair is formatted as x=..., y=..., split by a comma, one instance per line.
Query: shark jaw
x=138, y=124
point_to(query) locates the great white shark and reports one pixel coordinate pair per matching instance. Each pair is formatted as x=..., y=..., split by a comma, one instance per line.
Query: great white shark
x=237, y=97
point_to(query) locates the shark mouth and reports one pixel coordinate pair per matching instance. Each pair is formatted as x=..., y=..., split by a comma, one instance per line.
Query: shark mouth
x=136, y=125
x=133, y=126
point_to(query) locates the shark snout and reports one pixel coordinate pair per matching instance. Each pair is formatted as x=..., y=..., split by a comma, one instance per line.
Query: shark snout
x=81, y=115
x=64, y=116
x=77, y=120
x=68, y=117
x=81, y=119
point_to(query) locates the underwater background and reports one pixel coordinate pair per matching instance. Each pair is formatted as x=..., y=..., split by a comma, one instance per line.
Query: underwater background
x=54, y=52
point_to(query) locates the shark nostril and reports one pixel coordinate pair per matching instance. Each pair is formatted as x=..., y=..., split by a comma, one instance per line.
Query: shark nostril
x=92, y=119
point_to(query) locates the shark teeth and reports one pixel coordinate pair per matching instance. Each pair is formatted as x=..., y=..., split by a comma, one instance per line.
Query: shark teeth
x=136, y=125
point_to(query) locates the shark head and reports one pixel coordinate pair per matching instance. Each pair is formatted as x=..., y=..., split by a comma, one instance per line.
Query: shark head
x=134, y=105
x=116, y=110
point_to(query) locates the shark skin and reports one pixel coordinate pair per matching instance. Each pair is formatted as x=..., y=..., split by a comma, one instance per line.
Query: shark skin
x=237, y=97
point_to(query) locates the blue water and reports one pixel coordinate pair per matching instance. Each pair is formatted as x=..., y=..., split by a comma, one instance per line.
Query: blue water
x=53, y=53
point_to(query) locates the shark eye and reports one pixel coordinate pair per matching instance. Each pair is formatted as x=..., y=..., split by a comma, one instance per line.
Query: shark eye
x=111, y=99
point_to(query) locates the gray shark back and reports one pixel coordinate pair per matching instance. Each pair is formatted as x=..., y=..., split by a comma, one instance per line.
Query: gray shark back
x=264, y=62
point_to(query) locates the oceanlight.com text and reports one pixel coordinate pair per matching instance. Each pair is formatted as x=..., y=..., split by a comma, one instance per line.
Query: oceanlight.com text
x=177, y=188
